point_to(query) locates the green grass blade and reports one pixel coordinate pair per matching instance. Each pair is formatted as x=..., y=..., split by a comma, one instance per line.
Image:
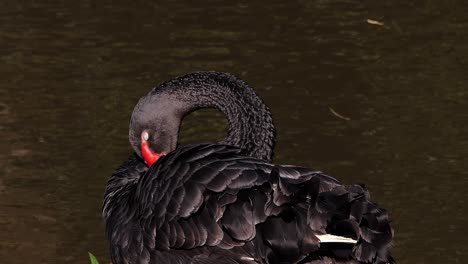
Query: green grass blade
x=93, y=258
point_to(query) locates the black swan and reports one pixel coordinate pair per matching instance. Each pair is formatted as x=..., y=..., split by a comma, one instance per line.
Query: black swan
x=227, y=203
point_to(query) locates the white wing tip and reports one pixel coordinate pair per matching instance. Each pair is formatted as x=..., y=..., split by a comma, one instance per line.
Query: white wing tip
x=327, y=238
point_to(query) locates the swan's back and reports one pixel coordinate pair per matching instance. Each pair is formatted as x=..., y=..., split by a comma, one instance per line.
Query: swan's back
x=210, y=204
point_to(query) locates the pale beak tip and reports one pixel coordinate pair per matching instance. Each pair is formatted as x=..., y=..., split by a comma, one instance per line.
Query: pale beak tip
x=145, y=135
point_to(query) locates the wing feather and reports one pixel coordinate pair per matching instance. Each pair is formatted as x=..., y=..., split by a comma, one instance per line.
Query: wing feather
x=210, y=195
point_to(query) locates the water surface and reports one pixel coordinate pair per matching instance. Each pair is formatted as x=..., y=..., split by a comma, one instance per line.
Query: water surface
x=72, y=72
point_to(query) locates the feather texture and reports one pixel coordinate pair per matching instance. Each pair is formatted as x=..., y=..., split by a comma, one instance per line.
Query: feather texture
x=208, y=203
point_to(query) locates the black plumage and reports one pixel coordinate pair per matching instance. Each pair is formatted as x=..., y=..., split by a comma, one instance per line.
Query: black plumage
x=227, y=203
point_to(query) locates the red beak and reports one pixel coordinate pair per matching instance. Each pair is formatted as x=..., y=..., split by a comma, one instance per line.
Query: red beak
x=148, y=154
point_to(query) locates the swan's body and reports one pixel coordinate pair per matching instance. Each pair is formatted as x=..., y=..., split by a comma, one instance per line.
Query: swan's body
x=214, y=203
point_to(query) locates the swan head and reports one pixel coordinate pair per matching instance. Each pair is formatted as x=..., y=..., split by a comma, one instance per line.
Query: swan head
x=154, y=127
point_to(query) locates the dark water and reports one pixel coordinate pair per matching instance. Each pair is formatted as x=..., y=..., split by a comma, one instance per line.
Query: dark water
x=72, y=72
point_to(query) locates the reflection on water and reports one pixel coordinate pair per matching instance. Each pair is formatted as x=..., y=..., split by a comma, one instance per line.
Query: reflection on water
x=71, y=73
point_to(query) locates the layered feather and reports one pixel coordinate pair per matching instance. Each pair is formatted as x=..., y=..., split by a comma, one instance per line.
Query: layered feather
x=210, y=204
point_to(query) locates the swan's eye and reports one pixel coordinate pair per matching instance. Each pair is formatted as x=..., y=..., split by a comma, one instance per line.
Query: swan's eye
x=145, y=135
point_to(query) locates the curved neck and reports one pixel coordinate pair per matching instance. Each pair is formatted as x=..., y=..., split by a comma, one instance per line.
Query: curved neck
x=250, y=123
